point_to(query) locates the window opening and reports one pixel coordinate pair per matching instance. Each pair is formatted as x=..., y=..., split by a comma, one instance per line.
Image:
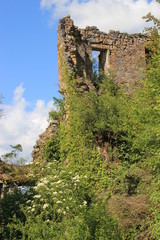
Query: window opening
x=147, y=55
x=95, y=62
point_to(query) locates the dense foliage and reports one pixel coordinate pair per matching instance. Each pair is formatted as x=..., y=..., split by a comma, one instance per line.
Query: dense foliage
x=101, y=175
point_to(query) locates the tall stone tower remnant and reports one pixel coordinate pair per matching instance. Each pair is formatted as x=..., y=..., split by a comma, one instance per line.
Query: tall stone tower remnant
x=122, y=53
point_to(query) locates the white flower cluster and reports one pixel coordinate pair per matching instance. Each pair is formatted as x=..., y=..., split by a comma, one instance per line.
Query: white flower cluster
x=57, y=191
x=76, y=178
x=37, y=196
x=46, y=205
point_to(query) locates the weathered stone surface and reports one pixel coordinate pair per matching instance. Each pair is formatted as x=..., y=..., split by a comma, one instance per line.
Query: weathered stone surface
x=73, y=50
x=122, y=53
x=38, y=150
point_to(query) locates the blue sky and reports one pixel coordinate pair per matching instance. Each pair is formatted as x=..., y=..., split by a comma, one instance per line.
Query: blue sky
x=28, y=56
x=28, y=51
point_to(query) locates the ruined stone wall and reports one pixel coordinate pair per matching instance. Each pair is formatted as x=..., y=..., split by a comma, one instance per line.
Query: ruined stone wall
x=122, y=53
x=38, y=149
x=73, y=51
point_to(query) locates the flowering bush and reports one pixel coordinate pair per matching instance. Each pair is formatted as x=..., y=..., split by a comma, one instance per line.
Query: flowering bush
x=60, y=208
x=58, y=194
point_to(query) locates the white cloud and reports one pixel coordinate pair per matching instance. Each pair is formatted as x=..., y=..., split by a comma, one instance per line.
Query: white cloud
x=20, y=126
x=18, y=93
x=123, y=15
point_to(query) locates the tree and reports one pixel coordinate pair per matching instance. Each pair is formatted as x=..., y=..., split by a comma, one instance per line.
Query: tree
x=13, y=155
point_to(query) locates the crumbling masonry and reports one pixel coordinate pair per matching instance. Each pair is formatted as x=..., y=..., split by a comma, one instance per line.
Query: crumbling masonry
x=122, y=53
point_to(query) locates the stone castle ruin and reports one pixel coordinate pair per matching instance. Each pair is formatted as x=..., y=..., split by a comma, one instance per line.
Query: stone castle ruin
x=122, y=53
